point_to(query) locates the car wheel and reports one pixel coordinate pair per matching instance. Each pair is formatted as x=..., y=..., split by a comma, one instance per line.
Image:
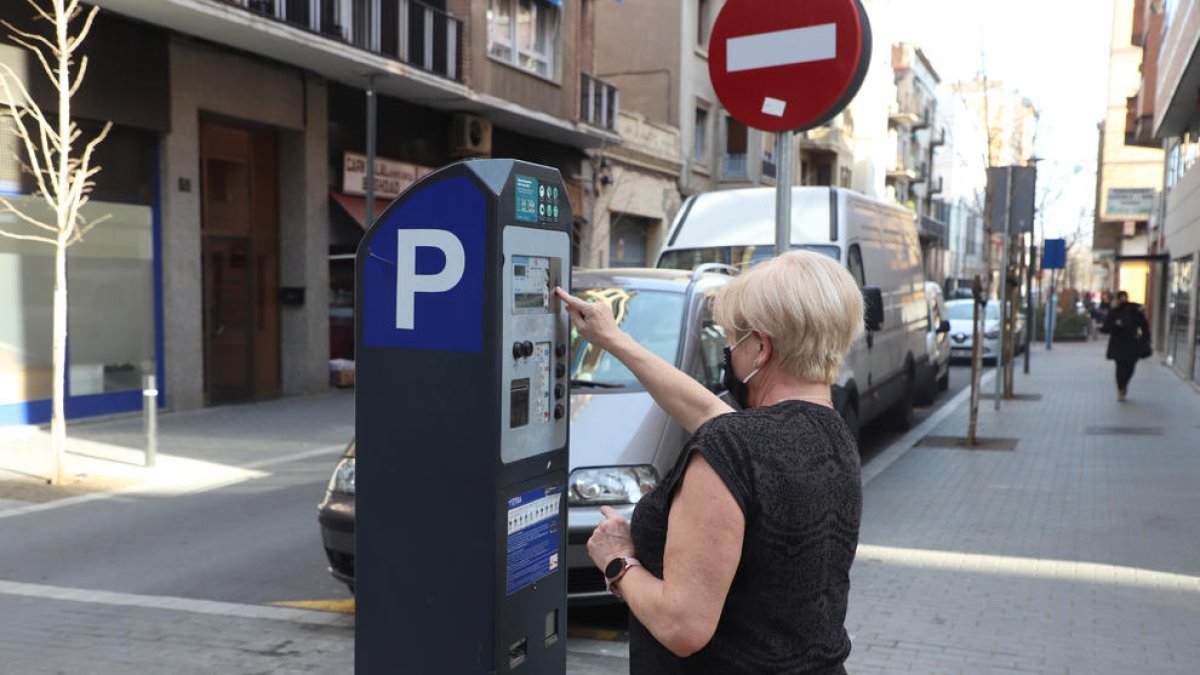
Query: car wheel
x=943, y=383
x=850, y=416
x=350, y=585
x=900, y=417
x=927, y=392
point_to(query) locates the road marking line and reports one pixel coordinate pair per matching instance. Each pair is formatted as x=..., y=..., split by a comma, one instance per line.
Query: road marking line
x=342, y=605
x=905, y=443
x=781, y=48
x=1033, y=568
x=294, y=457
x=591, y=633
x=618, y=650
x=173, y=603
x=233, y=475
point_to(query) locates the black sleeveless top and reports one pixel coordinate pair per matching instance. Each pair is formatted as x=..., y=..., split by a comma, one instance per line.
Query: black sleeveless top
x=794, y=469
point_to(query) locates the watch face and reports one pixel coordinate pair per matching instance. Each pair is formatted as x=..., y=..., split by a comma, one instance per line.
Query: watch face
x=614, y=567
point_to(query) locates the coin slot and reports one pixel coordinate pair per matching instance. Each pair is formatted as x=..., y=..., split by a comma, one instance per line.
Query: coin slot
x=517, y=652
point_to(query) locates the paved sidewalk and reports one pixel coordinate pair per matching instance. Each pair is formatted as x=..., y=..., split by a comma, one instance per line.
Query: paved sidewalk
x=196, y=449
x=1077, y=552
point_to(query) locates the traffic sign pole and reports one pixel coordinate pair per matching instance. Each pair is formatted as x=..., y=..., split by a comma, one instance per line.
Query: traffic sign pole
x=785, y=172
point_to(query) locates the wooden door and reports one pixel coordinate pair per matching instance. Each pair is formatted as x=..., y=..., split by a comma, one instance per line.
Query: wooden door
x=240, y=251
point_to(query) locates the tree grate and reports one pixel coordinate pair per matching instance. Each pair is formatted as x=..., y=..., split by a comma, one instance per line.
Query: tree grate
x=1014, y=397
x=1122, y=431
x=960, y=443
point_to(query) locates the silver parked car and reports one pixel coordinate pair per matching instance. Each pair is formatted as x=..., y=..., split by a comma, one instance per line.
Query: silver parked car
x=622, y=443
x=961, y=312
x=937, y=345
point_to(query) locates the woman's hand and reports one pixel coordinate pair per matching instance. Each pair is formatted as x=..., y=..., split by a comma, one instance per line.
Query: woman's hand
x=593, y=320
x=610, y=539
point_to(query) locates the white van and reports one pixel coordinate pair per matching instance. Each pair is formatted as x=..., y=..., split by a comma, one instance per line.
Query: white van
x=878, y=244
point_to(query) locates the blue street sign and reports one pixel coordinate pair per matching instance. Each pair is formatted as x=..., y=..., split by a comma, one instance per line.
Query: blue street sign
x=1054, y=255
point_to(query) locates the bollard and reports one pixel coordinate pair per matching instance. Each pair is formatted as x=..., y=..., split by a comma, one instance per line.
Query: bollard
x=150, y=418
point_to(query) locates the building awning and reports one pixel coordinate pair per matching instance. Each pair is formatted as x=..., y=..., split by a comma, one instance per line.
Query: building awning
x=356, y=207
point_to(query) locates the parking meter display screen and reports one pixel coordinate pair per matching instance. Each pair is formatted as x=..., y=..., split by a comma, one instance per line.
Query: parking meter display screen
x=530, y=285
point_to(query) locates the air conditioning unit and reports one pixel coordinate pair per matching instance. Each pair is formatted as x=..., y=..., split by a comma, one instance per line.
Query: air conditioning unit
x=470, y=136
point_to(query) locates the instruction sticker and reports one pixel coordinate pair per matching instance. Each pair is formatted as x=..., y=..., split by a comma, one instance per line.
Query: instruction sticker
x=534, y=522
x=526, y=189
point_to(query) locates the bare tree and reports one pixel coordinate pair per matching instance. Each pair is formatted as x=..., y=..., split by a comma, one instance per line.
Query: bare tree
x=63, y=178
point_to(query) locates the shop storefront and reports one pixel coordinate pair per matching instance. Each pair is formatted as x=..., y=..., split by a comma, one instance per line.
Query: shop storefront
x=114, y=306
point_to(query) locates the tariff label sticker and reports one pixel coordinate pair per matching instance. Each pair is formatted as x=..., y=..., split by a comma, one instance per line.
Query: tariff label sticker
x=534, y=523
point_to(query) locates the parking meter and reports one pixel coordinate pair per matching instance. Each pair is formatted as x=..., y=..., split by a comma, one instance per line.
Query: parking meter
x=461, y=425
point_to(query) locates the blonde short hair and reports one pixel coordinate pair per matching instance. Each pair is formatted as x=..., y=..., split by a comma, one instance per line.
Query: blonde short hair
x=806, y=302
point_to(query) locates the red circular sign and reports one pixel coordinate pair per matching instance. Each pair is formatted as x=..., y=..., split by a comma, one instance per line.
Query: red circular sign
x=788, y=65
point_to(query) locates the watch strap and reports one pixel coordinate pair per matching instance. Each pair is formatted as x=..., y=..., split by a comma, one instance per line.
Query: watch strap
x=629, y=562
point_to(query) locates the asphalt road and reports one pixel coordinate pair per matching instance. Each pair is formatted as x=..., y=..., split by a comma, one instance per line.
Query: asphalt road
x=253, y=542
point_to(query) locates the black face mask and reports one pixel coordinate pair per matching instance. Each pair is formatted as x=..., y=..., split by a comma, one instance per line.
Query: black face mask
x=737, y=388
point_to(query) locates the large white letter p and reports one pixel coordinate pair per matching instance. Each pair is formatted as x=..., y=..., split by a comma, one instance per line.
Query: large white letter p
x=409, y=283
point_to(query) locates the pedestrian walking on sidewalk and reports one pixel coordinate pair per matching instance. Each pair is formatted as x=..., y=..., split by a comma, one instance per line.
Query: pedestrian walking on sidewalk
x=1128, y=339
x=738, y=561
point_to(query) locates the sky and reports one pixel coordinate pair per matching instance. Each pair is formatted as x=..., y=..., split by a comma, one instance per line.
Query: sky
x=1055, y=52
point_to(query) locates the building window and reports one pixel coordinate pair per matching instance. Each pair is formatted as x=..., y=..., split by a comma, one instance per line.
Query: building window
x=734, y=161
x=110, y=306
x=524, y=33
x=703, y=22
x=768, y=155
x=700, y=140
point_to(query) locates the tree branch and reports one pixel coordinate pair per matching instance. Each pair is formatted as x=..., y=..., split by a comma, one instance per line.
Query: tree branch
x=38, y=8
x=41, y=57
x=87, y=25
x=30, y=36
x=85, y=228
x=83, y=64
x=9, y=208
x=28, y=237
x=22, y=131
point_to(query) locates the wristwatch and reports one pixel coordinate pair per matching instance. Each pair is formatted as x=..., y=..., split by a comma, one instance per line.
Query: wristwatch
x=616, y=569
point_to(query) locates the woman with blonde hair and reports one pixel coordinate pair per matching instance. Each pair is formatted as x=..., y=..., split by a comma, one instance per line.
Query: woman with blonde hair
x=739, y=560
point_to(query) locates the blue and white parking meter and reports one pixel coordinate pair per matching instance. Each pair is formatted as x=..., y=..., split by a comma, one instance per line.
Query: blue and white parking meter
x=461, y=425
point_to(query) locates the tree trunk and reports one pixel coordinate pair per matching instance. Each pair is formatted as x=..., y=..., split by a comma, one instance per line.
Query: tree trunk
x=58, y=420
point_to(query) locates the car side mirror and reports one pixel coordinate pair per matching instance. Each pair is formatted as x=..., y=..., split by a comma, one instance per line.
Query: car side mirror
x=873, y=307
x=944, y=327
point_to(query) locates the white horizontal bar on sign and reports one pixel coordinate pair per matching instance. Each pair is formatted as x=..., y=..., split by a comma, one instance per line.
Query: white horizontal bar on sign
x=781, y=48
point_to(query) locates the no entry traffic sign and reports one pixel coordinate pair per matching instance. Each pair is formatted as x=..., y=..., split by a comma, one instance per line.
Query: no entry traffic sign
x=788, y=65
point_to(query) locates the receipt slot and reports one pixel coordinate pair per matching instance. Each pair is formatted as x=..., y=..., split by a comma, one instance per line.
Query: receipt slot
x=461, y=415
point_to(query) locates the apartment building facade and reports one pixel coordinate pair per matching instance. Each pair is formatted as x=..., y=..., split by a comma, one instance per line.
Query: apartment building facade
x=1162, y=113
x=236, y=177
x=1129, y=177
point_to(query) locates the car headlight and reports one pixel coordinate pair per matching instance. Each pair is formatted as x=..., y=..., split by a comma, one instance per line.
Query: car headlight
x=342, y=481
x=610, y=485
x=992, y=334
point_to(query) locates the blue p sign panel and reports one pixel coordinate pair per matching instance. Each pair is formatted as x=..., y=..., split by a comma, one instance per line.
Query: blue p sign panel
x=424, y=271
x=1054, y=255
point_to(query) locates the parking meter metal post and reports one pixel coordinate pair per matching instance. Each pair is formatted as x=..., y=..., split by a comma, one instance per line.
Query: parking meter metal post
x=461, y=424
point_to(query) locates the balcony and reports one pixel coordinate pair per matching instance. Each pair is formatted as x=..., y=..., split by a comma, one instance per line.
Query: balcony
x=599, y=103
x=405, y=30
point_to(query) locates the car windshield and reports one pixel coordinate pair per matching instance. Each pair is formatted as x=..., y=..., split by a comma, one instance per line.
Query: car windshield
x=738, y=256
x=652, y=318
x=961, y=311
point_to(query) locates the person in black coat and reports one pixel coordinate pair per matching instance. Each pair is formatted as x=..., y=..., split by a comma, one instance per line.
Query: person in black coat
x=1127, y=331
